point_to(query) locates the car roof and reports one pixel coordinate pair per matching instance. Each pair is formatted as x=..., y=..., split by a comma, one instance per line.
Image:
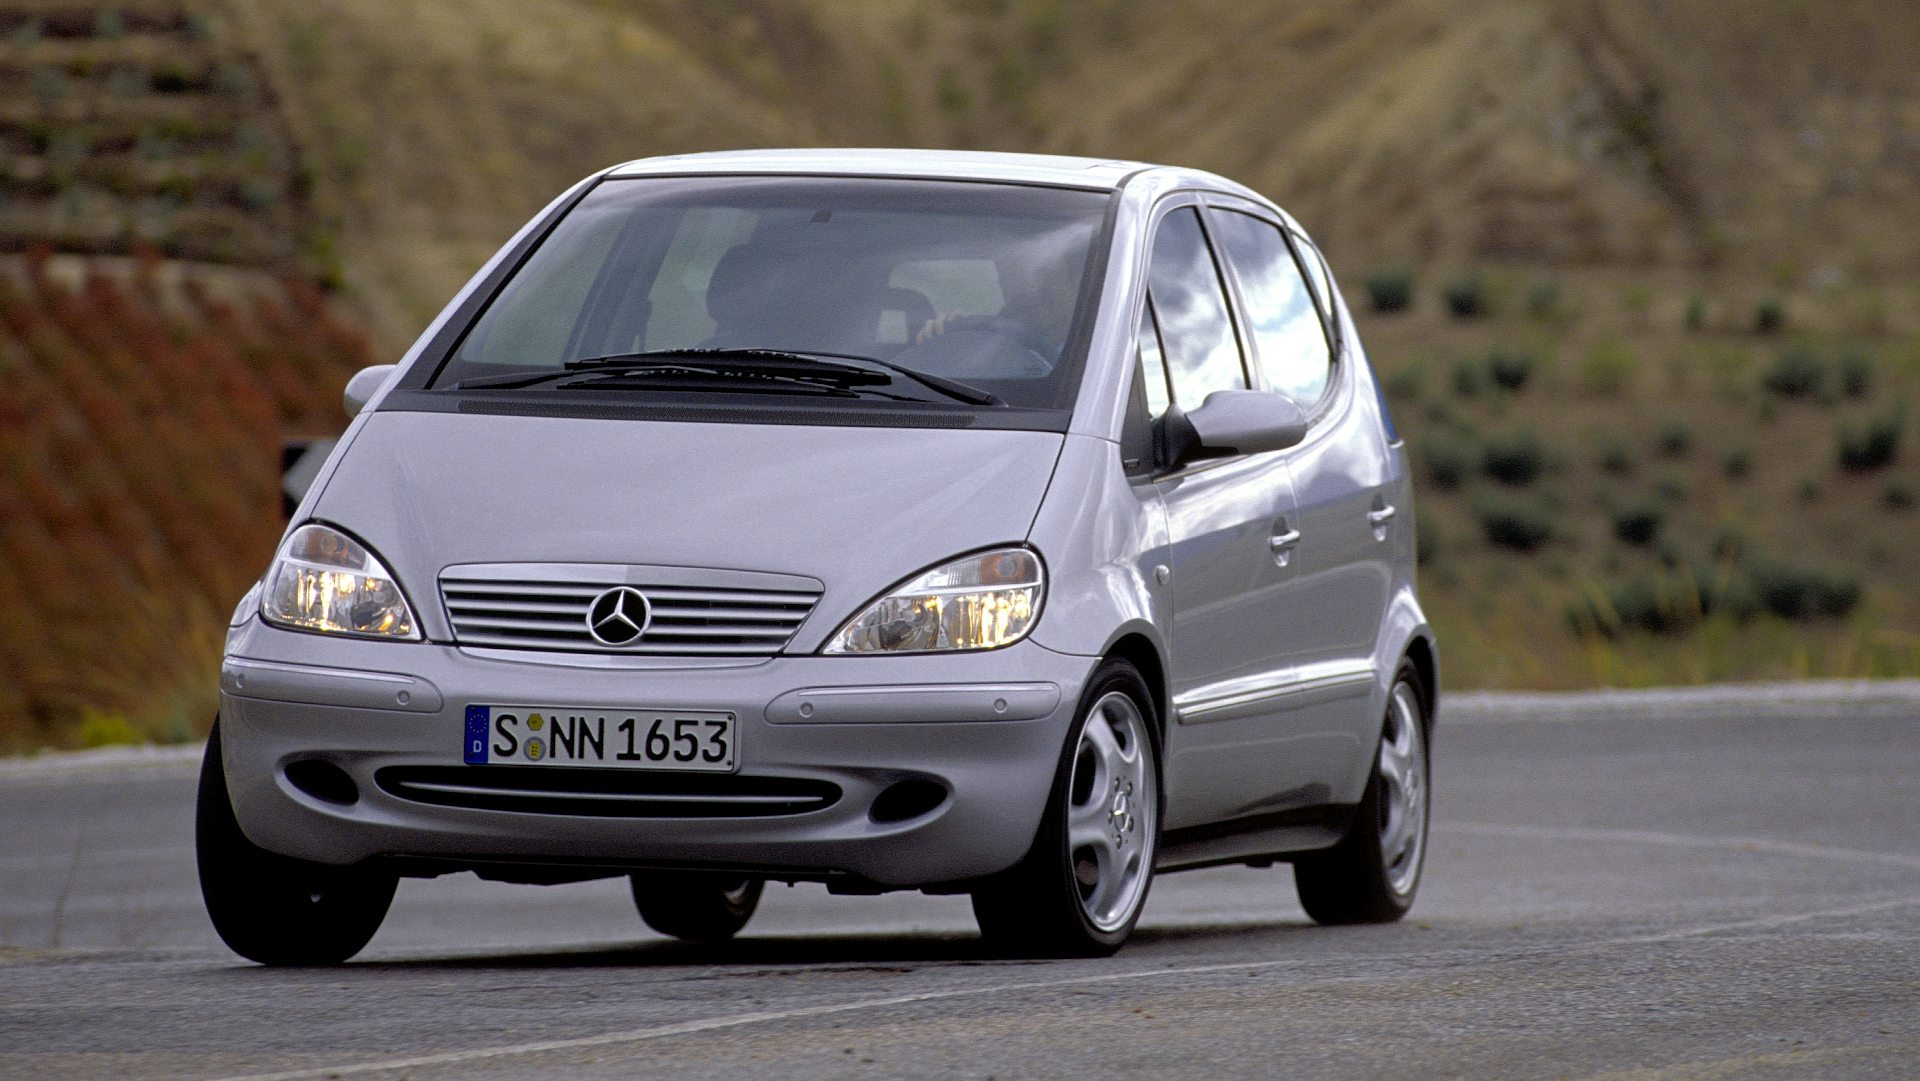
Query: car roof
x=1054, y=169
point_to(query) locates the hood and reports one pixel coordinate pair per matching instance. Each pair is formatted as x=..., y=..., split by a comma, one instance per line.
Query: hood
x=858, y=508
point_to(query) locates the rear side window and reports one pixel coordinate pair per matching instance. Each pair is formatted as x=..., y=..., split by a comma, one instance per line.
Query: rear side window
x=1288, y=337
x=1196, y=333
x=1322, y=282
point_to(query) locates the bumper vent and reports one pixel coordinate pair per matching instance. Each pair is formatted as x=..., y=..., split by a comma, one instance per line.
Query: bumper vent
x=605, y=793
x=687, y=613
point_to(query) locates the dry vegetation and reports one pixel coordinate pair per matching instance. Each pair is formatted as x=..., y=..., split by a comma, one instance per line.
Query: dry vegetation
x=1667, y=213
x=140, y=476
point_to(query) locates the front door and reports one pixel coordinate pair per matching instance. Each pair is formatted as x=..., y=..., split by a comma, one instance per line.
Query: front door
x=1232, y=536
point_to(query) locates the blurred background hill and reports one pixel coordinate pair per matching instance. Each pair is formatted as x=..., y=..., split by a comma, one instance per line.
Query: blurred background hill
x=1642, y=276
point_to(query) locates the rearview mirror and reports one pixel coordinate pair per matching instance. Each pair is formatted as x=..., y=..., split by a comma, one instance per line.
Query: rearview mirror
x=1235, y=422
x=364, y=385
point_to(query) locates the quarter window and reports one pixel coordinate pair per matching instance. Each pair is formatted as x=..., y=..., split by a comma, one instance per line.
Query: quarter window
x=1153, y=365
x=1287, y=333
x=1322, y=283
x=1196, y=333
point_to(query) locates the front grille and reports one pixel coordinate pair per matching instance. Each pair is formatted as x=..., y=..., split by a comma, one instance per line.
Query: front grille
x=687, y=618
x=606, y=793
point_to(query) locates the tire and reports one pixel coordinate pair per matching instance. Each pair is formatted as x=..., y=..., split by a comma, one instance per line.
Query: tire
x=275, y=909
x=696, y=906
x=1371, y=876
x=1080, y=888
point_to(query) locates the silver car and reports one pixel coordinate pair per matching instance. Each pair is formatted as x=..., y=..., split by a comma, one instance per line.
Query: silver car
x=995, y=524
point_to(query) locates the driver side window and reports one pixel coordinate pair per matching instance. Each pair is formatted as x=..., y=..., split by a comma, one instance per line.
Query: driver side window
x=1202, y=353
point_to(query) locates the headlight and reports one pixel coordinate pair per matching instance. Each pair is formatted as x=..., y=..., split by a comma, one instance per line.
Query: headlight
x=324, y=580
x=984, y=601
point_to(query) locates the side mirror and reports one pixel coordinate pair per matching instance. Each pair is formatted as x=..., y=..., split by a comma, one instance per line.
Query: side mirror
x=1234, y=422
x=364, y=385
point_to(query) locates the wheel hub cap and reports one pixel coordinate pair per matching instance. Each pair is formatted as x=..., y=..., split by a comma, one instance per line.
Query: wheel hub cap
x=1110, y=813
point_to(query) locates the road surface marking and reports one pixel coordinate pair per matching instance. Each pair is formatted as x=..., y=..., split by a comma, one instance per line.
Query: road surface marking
x=713, y=1024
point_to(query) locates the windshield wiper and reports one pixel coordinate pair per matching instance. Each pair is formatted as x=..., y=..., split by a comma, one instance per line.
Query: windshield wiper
x=952, y=388
x=776, y=364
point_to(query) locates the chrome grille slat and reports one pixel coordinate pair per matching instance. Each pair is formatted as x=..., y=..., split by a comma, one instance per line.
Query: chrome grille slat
x=745, y=615
x=538, y=612
x=558, y=589
x=493, y=604
x=733, y=596
x=721, y=632
x=570, y=623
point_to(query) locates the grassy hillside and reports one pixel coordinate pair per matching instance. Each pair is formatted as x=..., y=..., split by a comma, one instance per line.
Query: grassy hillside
x=1672, y=442
x=1764, y=149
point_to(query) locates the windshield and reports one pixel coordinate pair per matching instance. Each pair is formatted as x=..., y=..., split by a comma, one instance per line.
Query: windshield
x=973, y=283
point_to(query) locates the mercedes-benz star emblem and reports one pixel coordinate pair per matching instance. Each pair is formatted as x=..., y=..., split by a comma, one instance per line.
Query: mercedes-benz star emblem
x=618, y=616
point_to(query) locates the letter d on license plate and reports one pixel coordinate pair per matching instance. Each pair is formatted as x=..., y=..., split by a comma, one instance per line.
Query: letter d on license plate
x=701, y=740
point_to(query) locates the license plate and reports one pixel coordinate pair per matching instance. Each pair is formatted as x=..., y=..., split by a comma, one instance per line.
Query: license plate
x=662, y=739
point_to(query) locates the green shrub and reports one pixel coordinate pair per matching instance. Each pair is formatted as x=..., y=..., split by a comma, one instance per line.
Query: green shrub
x=105, y=728
x=1798, y=372
x=1730, y=543
x=1543, y=299
x=1426, y=543
x=1874, y=444
x=1449, y=457
x=1667, y=603
x=1469, y=378
x=1466, y=296
x=1390, y=289
x=1514, y=458
x=1674, y=439
x=1856, y=372
x=1509, y=369
x=1637, y=299
x=1802, y=593
x=1616, y=457
x=1639, y=523
x=1405, y=384
x=1770, y=316
x=1696, y=315
x=1671, y=487
x=1514, y=520
x=170, y=78
x=1898, y=496
x=1737, y=463
x=1660, y=603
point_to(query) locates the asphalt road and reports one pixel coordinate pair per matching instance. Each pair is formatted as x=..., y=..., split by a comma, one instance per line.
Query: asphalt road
x=1637, y=887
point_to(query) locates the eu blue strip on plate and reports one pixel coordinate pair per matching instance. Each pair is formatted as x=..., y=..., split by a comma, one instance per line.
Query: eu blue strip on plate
x=476, y=735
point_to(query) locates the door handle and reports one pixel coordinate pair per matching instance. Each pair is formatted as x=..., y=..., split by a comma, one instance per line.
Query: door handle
x=1378, y=519
x=1282, y=545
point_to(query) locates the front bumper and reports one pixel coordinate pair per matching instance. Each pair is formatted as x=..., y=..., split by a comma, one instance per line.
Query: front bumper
x=987, y=728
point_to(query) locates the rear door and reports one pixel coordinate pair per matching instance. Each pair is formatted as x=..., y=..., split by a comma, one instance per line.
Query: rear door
x=1335, y=608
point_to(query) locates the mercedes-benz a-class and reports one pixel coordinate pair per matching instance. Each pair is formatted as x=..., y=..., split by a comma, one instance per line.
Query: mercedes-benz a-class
x=1005, y=525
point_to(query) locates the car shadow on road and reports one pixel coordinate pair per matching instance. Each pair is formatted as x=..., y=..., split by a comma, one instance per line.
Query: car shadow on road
x=912, y=949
